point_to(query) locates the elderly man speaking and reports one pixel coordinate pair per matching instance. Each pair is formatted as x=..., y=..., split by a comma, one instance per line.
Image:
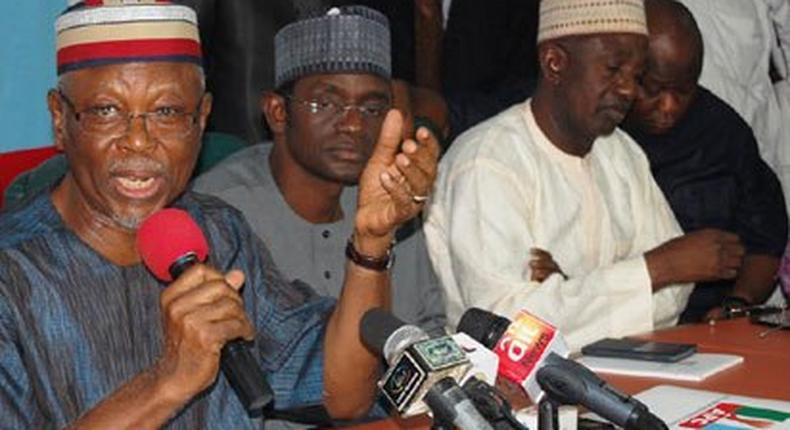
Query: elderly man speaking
x=88, y=337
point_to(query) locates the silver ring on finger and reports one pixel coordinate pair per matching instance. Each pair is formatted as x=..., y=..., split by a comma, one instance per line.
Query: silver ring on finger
x=418, y=198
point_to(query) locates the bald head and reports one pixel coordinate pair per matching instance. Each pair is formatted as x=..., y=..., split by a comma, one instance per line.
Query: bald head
x=675, y=39
x=674, y=63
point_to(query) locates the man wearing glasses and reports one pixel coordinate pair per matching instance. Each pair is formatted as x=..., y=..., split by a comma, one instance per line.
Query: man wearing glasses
x=299, y=192
x=89, y=338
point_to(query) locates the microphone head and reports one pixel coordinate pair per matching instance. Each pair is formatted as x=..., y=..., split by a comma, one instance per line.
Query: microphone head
x=522, y=345
x=387, y=335
x=168, y=236
x=483, y=326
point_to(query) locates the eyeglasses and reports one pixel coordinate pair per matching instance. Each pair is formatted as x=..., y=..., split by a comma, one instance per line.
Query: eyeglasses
x=329, y=108
x=167, y=122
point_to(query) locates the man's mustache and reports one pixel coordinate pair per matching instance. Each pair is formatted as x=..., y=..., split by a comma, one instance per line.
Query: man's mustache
x=137, y=165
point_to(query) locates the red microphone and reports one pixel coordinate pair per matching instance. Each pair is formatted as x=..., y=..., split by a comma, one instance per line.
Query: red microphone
x=170, y=242
x=522, y=345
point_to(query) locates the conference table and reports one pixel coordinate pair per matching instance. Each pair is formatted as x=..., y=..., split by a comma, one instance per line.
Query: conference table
x=765, y=371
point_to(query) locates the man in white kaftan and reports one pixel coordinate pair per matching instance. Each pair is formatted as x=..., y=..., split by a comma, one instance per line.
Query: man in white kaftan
x=504, y=188
x=555, y=173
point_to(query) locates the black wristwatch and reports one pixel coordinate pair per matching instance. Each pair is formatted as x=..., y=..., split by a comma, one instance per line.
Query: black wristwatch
x=734, y=306
x=378, y=264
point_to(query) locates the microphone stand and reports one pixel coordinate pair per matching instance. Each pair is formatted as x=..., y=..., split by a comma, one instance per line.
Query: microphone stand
x=548, y=414
x=441, y=424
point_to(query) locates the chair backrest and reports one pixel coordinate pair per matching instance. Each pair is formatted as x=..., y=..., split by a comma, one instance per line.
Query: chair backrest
x=16, y=162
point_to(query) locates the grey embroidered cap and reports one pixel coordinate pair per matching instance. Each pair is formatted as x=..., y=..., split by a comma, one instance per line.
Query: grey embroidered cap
x=345, y=39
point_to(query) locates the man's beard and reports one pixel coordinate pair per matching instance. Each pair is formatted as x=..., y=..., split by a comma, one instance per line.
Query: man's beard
x=128, y=222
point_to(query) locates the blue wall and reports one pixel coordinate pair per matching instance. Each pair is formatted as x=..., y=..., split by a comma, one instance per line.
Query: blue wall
x=27, y=71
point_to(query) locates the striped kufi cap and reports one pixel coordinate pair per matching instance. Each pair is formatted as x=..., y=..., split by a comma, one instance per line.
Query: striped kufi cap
x=560, y=18
x=350, y=39
x=93, y=33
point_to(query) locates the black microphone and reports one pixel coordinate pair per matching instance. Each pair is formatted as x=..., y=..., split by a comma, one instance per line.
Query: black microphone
x=170, y=242
x=570, y=383
x=562, y=380
x=492, y=404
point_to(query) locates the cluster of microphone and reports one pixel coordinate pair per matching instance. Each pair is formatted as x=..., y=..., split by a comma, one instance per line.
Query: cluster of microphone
x=451, y=377
x=427, y=374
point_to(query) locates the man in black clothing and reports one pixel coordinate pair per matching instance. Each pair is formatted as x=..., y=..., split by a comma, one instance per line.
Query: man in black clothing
x=705, y=159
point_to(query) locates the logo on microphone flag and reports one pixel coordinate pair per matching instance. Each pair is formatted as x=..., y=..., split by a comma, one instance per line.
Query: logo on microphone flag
x=523, y=346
